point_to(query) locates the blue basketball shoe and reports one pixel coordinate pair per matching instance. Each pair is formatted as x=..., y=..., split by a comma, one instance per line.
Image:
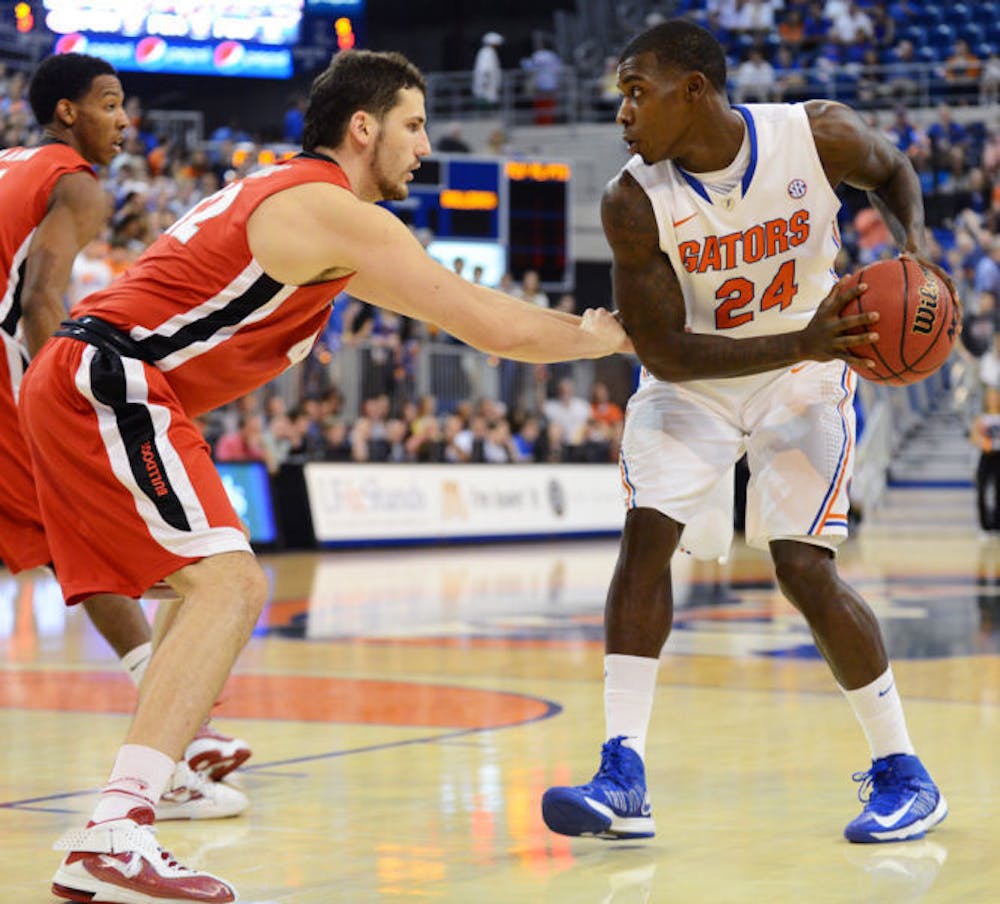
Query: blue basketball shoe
x=901, y=801
x=614, y=804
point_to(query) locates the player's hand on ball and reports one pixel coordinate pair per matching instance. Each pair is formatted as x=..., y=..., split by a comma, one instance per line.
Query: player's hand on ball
x=829, y=335
x=941, y=274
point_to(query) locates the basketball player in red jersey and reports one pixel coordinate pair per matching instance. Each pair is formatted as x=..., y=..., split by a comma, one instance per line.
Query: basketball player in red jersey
x=233, y=294
x=52, y=206
x=723, y=232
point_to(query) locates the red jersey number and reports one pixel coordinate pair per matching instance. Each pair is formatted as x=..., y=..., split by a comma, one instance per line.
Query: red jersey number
x=738, y=292
x=186, y=228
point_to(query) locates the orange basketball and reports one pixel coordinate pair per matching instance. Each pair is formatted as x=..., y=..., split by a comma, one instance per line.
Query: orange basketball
x=917, y=325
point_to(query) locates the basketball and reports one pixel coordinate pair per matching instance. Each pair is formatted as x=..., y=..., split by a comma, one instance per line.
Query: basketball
x=917, y=325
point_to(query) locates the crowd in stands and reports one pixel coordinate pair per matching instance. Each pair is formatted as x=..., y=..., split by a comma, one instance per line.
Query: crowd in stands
x=155, y=180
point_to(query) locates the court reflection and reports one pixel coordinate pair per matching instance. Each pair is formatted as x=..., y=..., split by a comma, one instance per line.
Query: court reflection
x=554, y=594
x=900, y=873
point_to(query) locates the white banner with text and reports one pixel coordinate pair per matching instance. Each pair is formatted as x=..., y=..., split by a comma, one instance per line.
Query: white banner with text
x=353, y=503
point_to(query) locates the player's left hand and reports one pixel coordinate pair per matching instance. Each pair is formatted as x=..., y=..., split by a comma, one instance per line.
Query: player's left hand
x=942, y=274
x=618, y=316
x=607, y=326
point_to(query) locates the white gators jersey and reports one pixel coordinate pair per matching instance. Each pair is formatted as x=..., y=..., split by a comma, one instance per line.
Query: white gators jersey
x=760, y=260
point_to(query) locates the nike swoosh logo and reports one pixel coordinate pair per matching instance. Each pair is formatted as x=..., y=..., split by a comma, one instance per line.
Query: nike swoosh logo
x=685, y=220
x=795, y=370
x=886, y=691
x=890, y=820
x=128, y=868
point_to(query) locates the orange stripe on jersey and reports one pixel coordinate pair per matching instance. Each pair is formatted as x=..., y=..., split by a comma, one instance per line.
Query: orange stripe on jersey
x=848, y=452
x=626, y=483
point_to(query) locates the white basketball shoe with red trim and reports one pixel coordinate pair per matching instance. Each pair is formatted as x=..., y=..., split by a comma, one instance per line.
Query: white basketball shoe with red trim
x=119, y=862
x=192, y=796
x=214, y=754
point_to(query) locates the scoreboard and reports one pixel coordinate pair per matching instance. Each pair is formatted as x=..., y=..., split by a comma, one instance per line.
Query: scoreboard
x=517, y=210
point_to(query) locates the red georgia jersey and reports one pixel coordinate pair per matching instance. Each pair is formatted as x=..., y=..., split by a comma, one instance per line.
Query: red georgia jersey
x=27, y=177
x=201, y=307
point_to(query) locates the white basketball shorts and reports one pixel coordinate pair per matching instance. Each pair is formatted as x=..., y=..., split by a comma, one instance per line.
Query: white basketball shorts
x=796, y=426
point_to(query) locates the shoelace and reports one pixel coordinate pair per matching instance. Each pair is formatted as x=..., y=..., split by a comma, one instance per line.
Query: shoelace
x=873, y=781
x=611, y=757
x=172, y=862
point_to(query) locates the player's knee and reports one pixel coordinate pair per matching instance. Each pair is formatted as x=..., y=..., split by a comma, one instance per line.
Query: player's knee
x=253, y=591
x=800, y=576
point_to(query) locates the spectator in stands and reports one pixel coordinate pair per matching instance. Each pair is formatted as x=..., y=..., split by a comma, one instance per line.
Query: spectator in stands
x=978, y=329
x=454, y=424
x=755, y=80
x=871, y=79
x=602, y=409
x=531, y=289
x=873, y=236
x=883, y=24
x=425, y=442
x=985, y=436
x=426, y=413
x=607, y=96
x=816, y=25
x=545, y=70
x=945, y=132
x=507, y=283
x=393, y=447
x=987, y=279
x=246, y=443
x=791, y=29
x=551, y=445
x=961, y=71
x=989, y=83
x=567, y=409
x=756, y=16
x=592, y=442
x=498, y=447
x=487, y=74
x=852, y=23
x=336, y=442
x=469, y=443
x=902, y=73
x=294, y=121
x=498, y=144
x=791, y=83
x=526, y=439
x=904, y=133
x=91, y=271
x=452, y=142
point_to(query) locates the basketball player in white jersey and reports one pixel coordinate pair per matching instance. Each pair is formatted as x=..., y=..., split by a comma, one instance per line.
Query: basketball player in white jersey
x=723, y=232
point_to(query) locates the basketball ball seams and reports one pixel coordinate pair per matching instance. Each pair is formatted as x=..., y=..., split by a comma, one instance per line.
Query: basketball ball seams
x=889, y=372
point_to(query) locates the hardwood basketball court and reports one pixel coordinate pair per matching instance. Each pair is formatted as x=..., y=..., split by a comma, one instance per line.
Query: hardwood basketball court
x=408, y=708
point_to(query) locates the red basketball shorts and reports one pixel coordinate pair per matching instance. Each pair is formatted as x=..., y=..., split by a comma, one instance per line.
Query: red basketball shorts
x=22, y=539
x=126, y=485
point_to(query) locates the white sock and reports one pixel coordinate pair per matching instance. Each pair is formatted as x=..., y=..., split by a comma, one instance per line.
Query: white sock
x=138, y=779
x=629, y=685
x=880, y=713
x=135, y=662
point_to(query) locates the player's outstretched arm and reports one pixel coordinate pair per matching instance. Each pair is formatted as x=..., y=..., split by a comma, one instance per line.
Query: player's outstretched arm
x=651, y=306
x=330, y=232
x=77, y=212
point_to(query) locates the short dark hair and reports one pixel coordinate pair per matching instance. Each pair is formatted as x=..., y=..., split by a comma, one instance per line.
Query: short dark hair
x=64, y=75
x=355, y=80
x=679, y=42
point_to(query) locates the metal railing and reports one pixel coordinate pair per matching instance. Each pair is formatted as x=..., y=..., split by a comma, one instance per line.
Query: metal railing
x=579, y=98
x=452, y=373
